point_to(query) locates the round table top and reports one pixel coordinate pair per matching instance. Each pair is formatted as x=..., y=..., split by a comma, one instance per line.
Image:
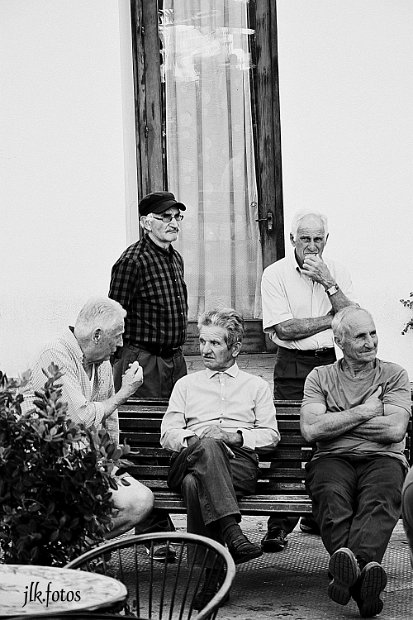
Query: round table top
x=30, y=589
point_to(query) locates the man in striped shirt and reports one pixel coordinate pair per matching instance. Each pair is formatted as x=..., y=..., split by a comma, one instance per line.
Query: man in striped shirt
x=148, y=281
x=82, y=353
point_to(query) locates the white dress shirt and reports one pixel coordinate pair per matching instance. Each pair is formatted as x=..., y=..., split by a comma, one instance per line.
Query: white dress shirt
x=289, y=294
x=233, y=399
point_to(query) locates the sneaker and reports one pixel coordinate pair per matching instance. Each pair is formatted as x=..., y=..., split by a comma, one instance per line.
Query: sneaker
x=243, y=550
x=274, y=540
x=373, y=580
x=344, y=570
x=161, y=553
x=211, y=586
x=309, y=526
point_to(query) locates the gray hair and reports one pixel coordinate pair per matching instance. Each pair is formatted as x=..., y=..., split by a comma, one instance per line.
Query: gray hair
x=295, y=224
x=98, y=313
x=342, y=319
x=227, y=318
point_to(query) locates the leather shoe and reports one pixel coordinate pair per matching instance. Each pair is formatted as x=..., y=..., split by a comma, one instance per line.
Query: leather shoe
x=161, y=553
x=344, y=570
x=309, y=526
x=243, y=550
x=372, y=581
x=210, y=587
x=274, y=540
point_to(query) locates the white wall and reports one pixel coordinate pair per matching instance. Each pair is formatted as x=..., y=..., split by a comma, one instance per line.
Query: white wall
x=346, y=89
x=68, y=180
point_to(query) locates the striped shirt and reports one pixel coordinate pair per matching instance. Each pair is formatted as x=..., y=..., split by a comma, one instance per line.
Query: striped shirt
x=148, y=281
x=82, y=397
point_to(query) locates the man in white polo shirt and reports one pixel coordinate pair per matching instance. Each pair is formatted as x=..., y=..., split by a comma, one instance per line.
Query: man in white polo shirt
x=300, y=295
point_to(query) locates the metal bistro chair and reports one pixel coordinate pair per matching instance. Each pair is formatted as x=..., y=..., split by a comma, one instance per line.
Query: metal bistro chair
x=161, y=590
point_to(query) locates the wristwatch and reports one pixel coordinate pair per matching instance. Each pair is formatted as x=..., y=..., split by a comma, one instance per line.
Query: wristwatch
x=332, y=290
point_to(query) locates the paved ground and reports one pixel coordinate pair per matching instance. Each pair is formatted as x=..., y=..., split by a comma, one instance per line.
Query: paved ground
x=292, y=585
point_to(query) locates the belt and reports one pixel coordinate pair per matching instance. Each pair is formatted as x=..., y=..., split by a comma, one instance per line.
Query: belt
x=155, y=349
x=323, y=352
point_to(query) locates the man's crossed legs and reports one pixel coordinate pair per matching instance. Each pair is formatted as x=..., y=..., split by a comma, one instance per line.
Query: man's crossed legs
x=210, y=481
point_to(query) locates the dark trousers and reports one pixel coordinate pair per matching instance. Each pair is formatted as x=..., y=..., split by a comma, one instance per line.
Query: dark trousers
x=159, y=376
x=407, y=510
x=290, y=372
x=159, y=373
x=356, y=502
x=291, y=369
x=210, y=482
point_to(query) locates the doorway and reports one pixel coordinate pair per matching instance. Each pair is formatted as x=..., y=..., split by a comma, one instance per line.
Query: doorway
x=206, y=88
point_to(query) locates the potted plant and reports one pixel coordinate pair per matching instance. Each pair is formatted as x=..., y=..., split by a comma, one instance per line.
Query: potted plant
x=55, y=478
x=408, y=303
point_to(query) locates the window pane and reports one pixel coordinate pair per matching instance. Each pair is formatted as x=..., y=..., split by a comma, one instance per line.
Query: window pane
x=206, y=73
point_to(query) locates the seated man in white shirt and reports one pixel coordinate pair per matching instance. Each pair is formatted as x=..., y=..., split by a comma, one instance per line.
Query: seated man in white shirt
x=216, y=422
x=82, y=354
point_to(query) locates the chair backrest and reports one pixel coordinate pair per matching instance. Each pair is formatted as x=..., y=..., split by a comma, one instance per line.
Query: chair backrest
x=157, y=589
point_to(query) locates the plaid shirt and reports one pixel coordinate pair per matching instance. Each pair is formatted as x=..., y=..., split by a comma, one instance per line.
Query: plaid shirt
x=148, y=282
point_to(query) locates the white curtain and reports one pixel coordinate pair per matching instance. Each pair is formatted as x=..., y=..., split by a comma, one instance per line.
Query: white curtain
x=210, y=151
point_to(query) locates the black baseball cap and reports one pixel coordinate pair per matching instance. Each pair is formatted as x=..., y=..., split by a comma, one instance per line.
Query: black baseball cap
x=158, y=202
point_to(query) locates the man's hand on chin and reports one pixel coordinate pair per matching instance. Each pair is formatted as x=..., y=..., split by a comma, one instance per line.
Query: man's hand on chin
x=315, y=268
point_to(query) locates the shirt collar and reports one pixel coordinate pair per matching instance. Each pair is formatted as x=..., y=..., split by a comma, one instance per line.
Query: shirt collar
x=75, y=346
x=169, y=251
x=293, y=262
x=232, y=371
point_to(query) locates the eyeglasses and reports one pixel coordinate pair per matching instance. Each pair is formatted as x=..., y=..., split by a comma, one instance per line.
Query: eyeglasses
x=168, y=217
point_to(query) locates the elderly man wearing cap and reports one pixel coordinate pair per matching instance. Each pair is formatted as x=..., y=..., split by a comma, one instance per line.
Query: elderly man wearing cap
x=148, y=281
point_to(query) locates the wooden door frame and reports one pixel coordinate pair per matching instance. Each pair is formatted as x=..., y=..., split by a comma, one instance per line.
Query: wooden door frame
x=268, y=156
x=148, y=96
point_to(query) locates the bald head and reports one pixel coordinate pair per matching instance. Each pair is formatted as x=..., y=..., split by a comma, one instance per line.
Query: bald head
x=355, y=334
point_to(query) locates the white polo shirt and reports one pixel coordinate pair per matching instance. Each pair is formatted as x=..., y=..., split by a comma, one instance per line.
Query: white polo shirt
x=289, y=294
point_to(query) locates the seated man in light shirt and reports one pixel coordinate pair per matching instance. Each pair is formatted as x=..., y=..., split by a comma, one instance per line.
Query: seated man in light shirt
x=82, y=354
x=216, y=422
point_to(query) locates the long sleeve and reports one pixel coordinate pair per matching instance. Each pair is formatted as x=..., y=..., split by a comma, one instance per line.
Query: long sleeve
x=264, y=435
x=174, y=428
x=234, y=400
